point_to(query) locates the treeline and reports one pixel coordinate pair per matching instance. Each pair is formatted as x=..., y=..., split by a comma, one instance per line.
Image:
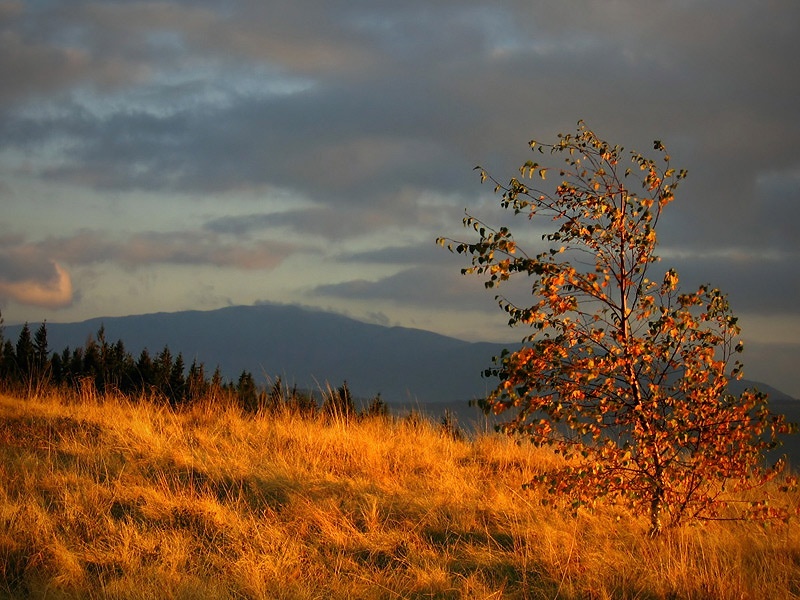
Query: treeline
x=101, y=367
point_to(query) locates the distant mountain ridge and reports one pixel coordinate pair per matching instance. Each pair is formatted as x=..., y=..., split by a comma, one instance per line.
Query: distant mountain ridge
x=310, y=348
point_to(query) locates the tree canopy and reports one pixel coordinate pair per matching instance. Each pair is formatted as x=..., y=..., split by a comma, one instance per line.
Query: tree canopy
x=622, y=373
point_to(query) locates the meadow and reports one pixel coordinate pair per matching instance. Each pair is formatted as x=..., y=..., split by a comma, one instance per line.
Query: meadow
x=105, y=497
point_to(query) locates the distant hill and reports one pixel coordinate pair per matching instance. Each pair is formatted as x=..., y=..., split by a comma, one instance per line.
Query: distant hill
x=310, y=348
x=304, y=346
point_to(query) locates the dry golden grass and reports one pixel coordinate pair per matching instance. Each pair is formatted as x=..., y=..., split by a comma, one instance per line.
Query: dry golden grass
x=113, y=499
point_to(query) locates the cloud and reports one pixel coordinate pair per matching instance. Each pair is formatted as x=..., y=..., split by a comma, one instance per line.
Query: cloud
x=50, y=292
x=427, y=287
x=404, y=209
x=361, y=112
x=192, y=249
x=244, y=224
x=756, y=283
x=36, y=60
x=427, y=254
x=415, y=93
x=48, y=48
x=254, y=31
x=141, y=249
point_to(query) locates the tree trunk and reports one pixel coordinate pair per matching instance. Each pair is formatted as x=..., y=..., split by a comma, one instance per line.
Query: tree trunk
x=656, y=506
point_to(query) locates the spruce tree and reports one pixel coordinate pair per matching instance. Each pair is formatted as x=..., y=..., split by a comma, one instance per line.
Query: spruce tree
x=41, y=352
x=24, y=353
x=145, y=372
x=177, y=382
x=8, y=362
x=246, y=392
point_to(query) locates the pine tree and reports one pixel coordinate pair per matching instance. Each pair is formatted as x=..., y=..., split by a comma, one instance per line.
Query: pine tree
x=56, y=369
x=276, y=398
x=92, y=363
x=3, y=374
x=24, y=354
x=339, y=403
x=8, y=363
x=76, y=365
x=196, y=384
x=216, y=385
x=246, y=392
x=378, y=408
x=66, y=373
x=163, y=370
x=177, y=382
x=145, y=372
x=40, y=348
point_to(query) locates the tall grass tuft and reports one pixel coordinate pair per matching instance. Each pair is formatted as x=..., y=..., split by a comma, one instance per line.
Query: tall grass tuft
x=110, y=498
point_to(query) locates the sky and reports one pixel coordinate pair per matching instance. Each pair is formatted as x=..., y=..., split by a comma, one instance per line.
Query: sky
x=165, y=156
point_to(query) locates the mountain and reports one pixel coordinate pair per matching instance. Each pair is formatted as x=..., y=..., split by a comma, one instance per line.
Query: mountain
x=309, y=348
x=306, y=347
x=410, y=368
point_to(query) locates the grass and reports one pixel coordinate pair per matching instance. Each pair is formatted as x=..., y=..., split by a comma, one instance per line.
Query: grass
x=107, y=498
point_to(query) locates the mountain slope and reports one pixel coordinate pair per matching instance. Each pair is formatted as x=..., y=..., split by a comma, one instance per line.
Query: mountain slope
x=309, y=348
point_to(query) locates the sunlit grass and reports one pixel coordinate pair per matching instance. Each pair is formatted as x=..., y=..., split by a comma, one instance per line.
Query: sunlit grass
x=116, y=499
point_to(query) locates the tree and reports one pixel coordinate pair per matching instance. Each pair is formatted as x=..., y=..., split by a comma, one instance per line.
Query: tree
x=76, y=366
x=5, y=346
x=25, y=354
x=247, y=392
x=177, y=381
x=40, y=371
x=57, y=369
x=41, y=351
x=622, y=374
x=162, y=370
x=92, y=362
x=377, y=408
x=339, y=403
x=216, y=385
x=196, y=384
x=8, y=362
x=145, y=372
x=276, y=398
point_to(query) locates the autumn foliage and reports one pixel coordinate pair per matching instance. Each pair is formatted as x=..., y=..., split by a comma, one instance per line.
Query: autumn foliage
x=622, y=373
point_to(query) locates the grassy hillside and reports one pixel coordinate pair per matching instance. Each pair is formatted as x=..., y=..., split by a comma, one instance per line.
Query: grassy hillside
x=115, y=499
